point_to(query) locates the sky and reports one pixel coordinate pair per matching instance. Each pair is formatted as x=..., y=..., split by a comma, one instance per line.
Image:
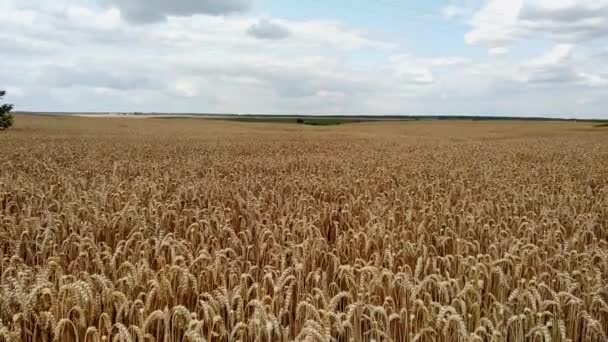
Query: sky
x=358, y=57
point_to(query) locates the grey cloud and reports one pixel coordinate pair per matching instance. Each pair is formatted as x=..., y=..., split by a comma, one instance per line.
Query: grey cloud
x=265, y=29
x=564, y=25
x=148, y=11
x=568, y=73
x=555, y=75
x=499, y=22
x=63, y=77
x=567, y=14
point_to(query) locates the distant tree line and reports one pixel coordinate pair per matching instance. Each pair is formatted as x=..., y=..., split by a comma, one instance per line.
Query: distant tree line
x=6, y=118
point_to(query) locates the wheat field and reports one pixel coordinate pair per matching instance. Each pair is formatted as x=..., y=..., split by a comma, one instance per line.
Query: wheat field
x=202, y=230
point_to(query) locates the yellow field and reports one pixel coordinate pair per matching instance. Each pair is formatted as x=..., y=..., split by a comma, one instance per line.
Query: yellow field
x=197, y=230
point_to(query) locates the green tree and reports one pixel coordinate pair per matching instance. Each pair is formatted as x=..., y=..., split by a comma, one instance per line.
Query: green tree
x=6, y=118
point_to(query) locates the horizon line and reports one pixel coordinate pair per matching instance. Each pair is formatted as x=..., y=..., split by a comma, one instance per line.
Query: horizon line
x=353, y=116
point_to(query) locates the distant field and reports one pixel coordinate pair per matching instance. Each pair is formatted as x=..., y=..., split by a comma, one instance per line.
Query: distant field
x=319, y=120
x=282, y=120
x=303, y=121
x=113, y=229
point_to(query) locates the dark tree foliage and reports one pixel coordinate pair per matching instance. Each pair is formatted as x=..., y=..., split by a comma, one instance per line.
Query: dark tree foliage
x=6, y=118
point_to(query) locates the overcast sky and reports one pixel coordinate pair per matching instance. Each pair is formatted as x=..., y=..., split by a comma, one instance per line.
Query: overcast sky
x=478, y=57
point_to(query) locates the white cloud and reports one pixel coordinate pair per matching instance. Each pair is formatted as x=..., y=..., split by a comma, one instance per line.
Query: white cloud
x=235, y=32
x=458, y=9
x=593, y=80
x=416, y=70
x=496, y=23
x=498, y=51
x=85, y=57
x=186, y=63
x=444, y=61
x=186, y=87
x=566, y=22
x=14, y=91
x=332, y=33
x=83, y=17
x=454, y=11
x=555, y=56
